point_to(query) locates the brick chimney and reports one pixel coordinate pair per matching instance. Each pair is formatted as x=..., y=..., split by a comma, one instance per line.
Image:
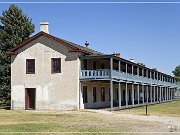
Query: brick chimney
x=44, y=27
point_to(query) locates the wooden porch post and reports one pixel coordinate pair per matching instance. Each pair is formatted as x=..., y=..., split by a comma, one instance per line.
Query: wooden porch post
x=111, y=82
x=132, y=94
x=79, y=95
x=138, y=93
x=126, y=96
x=147, y=92
x=119, y=92
x=154, y=93
x=119, y=87
x=143, y=92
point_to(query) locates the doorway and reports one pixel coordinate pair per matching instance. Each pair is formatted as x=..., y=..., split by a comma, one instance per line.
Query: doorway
x=30, y=98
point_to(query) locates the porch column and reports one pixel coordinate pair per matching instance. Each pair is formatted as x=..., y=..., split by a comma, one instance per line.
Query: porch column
x=175, y=92
x=79, y=95
x=138, y=93
x=126, y=96
x=154, y=94
x=157, y=94
x=138, y=83
x=111, y=91
x=147, y=88
x=169, y=93
x=111, y=82
x=154, y=88
x=160, y=93
x=119, y=87
x=147, y=94
x=119, y=92
x=151, y=93
x=132, y=94
x=157, y=78
x=143, y=92
x=132, y=87
x=172, y=93
x=151, y=87
x=165, y=93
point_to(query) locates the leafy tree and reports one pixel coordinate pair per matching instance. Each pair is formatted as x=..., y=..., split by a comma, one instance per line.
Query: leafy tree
x=15, y=28
x=176, y=73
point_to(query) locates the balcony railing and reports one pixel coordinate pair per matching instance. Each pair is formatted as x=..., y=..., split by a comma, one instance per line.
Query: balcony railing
x=90, y=74
x=105, y=74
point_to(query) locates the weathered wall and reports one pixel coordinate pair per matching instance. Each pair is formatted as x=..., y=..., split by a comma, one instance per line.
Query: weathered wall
x=53, y=91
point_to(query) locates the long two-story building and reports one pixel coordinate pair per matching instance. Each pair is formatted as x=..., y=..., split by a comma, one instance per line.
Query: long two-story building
x=52, y=73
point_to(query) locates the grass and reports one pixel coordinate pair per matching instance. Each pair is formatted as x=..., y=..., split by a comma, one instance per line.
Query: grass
x=82, y=121
x=67, y=121
x=58, y=121
x=168, y=109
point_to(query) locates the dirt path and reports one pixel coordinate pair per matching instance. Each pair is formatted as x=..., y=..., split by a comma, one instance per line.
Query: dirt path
x=170, y=122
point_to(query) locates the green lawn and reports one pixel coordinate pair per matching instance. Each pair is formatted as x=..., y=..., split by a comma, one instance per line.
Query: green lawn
x=168, y=108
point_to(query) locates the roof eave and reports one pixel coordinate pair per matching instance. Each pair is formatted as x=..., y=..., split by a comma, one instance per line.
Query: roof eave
x=11, y=53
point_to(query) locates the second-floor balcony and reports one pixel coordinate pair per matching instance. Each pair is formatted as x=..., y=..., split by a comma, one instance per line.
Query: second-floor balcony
x=115, y=74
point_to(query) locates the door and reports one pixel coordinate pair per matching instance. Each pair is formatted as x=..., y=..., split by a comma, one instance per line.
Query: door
x=30, y=98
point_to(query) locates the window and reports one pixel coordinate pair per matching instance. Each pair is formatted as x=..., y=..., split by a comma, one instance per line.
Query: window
x=94, y=94
x=30, y=66
x=102, y=94
x=85, y=94
x=56, y=65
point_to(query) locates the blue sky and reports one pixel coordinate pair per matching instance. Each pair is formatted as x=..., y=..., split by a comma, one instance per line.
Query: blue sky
x=149, y=33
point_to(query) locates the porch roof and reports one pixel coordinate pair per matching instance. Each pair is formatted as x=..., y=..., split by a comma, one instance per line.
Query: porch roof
x=120, y=59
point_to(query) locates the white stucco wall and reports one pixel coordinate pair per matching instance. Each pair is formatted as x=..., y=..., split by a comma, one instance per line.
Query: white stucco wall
x=53, y=91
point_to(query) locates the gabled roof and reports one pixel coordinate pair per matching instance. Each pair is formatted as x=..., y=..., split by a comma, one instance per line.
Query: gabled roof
x=75, y=47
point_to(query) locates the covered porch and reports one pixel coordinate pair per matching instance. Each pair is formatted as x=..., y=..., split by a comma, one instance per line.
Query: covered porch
x=109, y=81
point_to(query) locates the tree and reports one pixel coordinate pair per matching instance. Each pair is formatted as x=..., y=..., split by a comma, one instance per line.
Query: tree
x=176, y=73
x=15, y=28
